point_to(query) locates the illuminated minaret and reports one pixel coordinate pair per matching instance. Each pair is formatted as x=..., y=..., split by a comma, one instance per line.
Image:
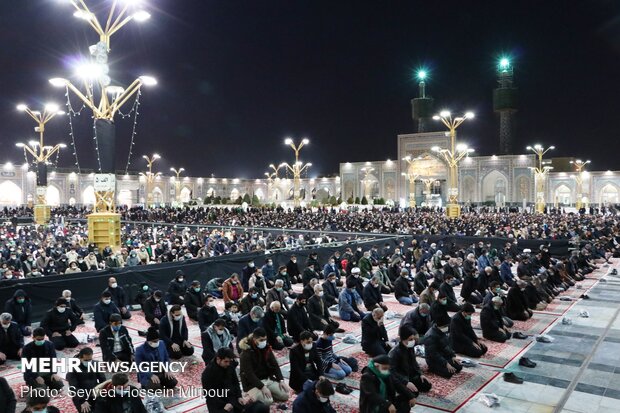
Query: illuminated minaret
x=505, y=103
x=422, y=106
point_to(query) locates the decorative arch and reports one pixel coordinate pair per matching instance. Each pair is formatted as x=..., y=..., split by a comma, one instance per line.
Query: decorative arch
x=562, y=195
x=211, y=192
x=348, y=190
x=234, y=194
x=10, y=194
x=52, y=195
x=276, y=194
x=124, y=197
x=494, y=187
x=72, y=201
x=390, y=189
x=370, y=187
x=158, y=195
x=259, y=194
x=322, y=194
x=609, y=194
x=186, y=194
x=88, y=195
x=469, y=189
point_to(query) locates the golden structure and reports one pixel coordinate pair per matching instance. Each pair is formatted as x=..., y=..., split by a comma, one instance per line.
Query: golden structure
x=540, y=175
x=579, y=165
x=297, y=168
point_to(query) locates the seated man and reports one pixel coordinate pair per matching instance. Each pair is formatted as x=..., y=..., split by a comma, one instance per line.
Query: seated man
x=73, y=306
x=249, y=323
x=103, y=310
x=440, y=357
x=404, y=367
x=154, y=308
x=402, y=289
x=297, y=319
x=115, y=341
x=260, y=373
x=38, y=348
x=333, y=366
x=119, y=396
x=462, y=337
x=372, y=295
x=349, y=303
x=305, y=362
x=330, y=289
x=446, y=289
x=315, y=397
x=215, y=337
x=428, y=295
x=516, y=303
x=119, y=298
x=318, y=311
x=11, y=339
x=177, y=288
x=84, y=381
x=193, y=299
x=277, y=294
x=419, y=318
x=492, y=322
x=20, y=307
x=207, y=313
x=59, y=324
x=39, y=403
x=232, y=289
x=439, y=310
x=251, y=299
x=378, y=389
x=173, y=330
x=374, y=336
x=220, y=381
x=275, y=326
x=153, y=350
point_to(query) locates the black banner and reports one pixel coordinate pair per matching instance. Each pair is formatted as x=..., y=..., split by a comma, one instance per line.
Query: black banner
x=41, y=174
x=105, y=145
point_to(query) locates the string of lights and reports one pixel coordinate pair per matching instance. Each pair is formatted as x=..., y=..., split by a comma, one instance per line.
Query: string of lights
x=70, y=114
x=96, y=145
x=134, y=109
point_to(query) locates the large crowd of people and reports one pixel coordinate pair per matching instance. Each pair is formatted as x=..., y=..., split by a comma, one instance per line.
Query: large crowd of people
x=298, y=307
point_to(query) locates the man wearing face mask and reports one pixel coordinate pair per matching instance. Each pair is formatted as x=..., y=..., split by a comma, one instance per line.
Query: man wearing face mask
x=103, y=310
x=349, y=303
x=7, y=396
x=318, y=311
x=59, y=324
x=492, y=321
x=297, y=318
x=374, y=336
x=251, y=299
x=439, y=310
x=177, y=288
x=378, y=389
x=215, y=337
x=154, y=350
x=404, y=367
x=144, y=293
x=305, y=362
x=372, y=295
x=119, y=298
x=462, y=337
x=173, y=330
x=116, y=344
x=39, y=404
x=314, y=398
x=232, y=289
x=39, y=348
x=260, y=373
x=194, y=299
x=516, y=303
x=11, y=339
x=440, y=357
x=154, y=308
x=20, y=307
x=73, y=306
x=275, y=326
x=284, y=276
x=249, y=323
x=277, y=294
x=119, y=396
x=84, y=380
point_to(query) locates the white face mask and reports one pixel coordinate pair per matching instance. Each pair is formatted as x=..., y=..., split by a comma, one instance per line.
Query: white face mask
x=308, y=346
x=323, y=399
x=411, y=344
x=6, y=326
x=61, y=309
x=114, y=285
x=320, y=294
x=107, y=301
x=178, y=317
x=261, y=344
x=154, y=344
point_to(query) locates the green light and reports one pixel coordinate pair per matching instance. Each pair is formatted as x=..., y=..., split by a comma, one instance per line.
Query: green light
x=504, y=64
x=421, y=75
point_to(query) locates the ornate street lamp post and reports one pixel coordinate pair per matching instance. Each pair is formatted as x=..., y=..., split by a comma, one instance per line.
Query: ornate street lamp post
x=540, y=175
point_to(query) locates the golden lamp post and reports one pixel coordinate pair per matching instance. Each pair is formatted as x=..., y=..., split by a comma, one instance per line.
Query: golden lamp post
x=540, y=175
x=297, y=168
x=411, y=175
x=366, y=181
x=150, y=177
x=273, y=176
x=41, y=154
x=177, y=182
x=453, y=156
x=105, y=100
x=579, y=165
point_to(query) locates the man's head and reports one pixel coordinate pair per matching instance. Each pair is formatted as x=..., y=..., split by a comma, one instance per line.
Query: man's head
x=424, y=309
x=38, y=336
x=467, y=310
x=219, y=326
x=120, y=382
x=37, y=403
x=305, y=340
x=85, y=354
x=275, y=306
x=5, y=320
x=176, y=313
x=257, y=313
x=497, y=301
x=323, y=390
x=224, y=357
x=408, y=336
x=112, y=282
x=301, y=299
x=259, y=337
x=279, y=284
x=61, y=305
x=66, y=294
x=377, y=314
x=382, y=364
x=115, y=321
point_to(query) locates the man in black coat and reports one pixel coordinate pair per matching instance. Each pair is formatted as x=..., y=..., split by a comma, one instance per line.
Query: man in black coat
x=220, y=381
x=372, y=399
x=59, y=324
x=318, y=311
x=404, y=367
x=193, y=299
x=20, y=307
x=492, y=321
x=448, y=291
x=11, y=339
x=177, y=288
x=305, y=362
x=372, y=295
x=246, y=273
x=154, y=308
x=419, y=318
x=173, y=330
x=207, y=313
x=330, y=290
x=119, y=298
x=81, y=382
x=113, y=334
x=516, y=303
x=440, y=357
x=439, y=310
x=462, y=337
x=7, y=396
x=119, y=396
x=275, y=326
x=297, y=318
x=103, y=310
x=39, y=348
x=73, y=306
x=374, y=336
x=293, y=270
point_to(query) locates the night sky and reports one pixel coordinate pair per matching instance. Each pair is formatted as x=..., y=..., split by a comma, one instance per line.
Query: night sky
x=237, y=77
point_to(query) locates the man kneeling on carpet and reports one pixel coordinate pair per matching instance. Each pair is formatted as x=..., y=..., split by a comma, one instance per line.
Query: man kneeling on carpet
x=260, y=373
x=462, y=337
x=173, y=330
x=440, y=357
x=333, y=366
x=380, y=393
x=119, y=396
x=404, y=366
x=154, y=350
x=315, y=397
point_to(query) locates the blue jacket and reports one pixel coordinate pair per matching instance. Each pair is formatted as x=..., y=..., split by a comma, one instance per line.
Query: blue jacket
x=483, y=262
x=307, y=402
x=506, y=273
x=246, y=326
x=146, y=353
x=348, y=300
x=28, y=353
x=102, y=313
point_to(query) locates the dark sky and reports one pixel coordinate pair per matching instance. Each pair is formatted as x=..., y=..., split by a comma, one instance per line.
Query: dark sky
x=236, y=77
